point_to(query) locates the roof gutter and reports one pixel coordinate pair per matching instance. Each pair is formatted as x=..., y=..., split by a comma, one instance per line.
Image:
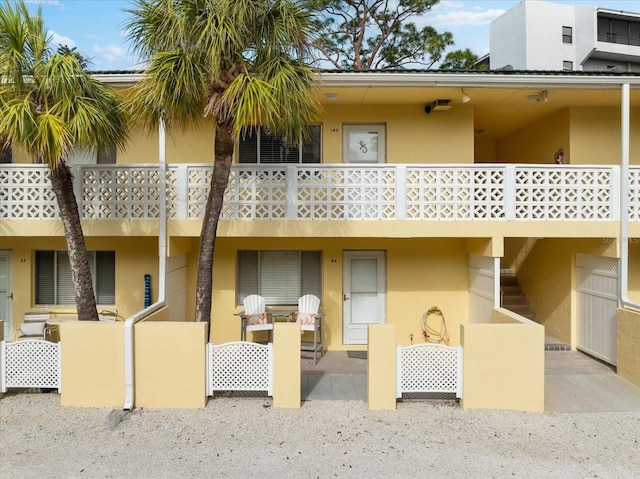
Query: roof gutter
x=436, y=79
x=162, y=270
x=624, y=203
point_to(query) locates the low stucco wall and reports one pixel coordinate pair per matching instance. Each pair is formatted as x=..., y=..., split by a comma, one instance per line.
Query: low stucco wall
x=381, y=367
x=628, y=338
x=503, y=363
x=92, y=363
x=169, y=362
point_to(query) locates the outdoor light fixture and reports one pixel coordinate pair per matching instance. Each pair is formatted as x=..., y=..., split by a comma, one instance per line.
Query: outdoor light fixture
x=438, y=105
x=331, y=96
x=541, y=97
x=465, y=98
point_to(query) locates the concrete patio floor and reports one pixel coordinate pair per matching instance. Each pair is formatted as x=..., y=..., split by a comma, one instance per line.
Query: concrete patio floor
x=574, y=382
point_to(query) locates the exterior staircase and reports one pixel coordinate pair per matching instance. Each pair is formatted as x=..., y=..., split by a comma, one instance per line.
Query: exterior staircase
x=512, y=296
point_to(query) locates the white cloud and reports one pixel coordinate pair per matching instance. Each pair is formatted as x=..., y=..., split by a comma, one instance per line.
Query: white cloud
x=109, y=54
x=61, y=40
x=460, y=18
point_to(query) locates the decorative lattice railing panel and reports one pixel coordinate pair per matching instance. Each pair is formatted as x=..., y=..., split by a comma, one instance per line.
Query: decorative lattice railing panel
x=256, y=194
x=111, y=192
x=30, y=363
x=25, y=193
x=239, y=366
x=634, y=194
x=563, y=194
x=429, y=368
x=446, y=193
x=346, y=193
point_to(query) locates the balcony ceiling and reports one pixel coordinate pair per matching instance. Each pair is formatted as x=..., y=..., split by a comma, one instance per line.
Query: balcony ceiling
x=497, y=112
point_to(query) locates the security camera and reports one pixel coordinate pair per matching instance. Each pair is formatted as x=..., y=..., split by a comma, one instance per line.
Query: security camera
x=427, y=109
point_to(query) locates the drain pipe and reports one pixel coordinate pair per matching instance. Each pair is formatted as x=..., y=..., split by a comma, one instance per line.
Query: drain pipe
x=624, y=203
x=162, y=270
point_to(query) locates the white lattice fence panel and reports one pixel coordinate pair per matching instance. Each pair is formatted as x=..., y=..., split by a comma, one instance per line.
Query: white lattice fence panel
x=455, y=194
x=30, y=363
x=256, y=194
x=240, y=366
x=26, y=193
x=563, y=194
x=634, y=194
x=364, y=193
x=111, y=192
x=429, y=368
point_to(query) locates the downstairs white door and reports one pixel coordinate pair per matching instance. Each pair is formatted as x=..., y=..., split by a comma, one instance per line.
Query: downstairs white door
x=364, y=294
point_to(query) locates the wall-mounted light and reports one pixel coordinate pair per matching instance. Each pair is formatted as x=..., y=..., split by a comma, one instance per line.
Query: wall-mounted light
x=438, y=105
x=331, y=96
x=465, y=98
x=541, y=97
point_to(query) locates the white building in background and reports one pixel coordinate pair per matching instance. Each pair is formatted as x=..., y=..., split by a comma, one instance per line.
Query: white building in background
x=536, y=35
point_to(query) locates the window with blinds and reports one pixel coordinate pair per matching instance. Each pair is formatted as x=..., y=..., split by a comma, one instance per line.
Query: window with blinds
x=259, y=145
x=281, y=277
x=53, y=285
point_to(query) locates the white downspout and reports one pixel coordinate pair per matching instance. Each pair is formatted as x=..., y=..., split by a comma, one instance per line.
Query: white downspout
x=624, y=203
x=162, y=270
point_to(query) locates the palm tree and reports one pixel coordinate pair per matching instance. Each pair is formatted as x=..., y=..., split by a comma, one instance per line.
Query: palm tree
x=239, y=62
x=48, y=106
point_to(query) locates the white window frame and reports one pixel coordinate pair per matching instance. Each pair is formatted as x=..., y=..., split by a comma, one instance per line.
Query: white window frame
x=379, y=129
x=282, y=284
x=60, y=258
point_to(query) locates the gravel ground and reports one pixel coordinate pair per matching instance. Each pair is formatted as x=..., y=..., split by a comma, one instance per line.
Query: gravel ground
x=246, y=437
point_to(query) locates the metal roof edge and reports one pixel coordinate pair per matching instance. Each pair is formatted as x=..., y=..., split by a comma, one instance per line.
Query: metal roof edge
x=439, y=78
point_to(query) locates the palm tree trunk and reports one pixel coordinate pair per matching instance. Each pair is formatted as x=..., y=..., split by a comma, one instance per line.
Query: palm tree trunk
x=62, y=184
x=219, y=180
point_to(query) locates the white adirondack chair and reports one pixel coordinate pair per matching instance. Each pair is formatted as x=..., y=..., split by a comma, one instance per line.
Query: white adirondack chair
x=310, y=319
x=255, y=317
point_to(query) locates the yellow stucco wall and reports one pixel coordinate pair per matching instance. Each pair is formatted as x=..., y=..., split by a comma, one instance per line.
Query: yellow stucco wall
x=381, y=367
x=135, y=257
x=412, y=136
x=503, y=363
x=286, y=365
x=170, y=364
x=628, y=352
x=420, y=273
x=537, y=142
x=547, y=277
x=92, y=364
x=595, y=136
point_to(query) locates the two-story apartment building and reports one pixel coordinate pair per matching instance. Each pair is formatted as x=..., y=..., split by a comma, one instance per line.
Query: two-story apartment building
x=537, y=35
x=406, y=197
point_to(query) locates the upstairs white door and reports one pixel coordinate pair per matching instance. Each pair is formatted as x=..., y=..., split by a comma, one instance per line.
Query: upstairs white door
x=364, y=296
x=6, y=294
x=364, y=144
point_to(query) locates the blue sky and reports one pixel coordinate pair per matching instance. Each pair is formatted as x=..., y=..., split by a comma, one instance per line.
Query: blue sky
x=95, y=27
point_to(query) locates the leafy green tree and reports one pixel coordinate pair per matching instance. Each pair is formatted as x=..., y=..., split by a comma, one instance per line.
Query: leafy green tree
x=66, y=50
x=460, y=60
x=48, y=106
x=377, y=34
x=238, y=62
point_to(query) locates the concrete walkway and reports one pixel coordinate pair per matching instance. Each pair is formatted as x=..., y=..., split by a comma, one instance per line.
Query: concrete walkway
x=574, y=382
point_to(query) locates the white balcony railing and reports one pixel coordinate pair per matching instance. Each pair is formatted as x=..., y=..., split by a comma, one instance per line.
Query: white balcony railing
x=332, y=192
